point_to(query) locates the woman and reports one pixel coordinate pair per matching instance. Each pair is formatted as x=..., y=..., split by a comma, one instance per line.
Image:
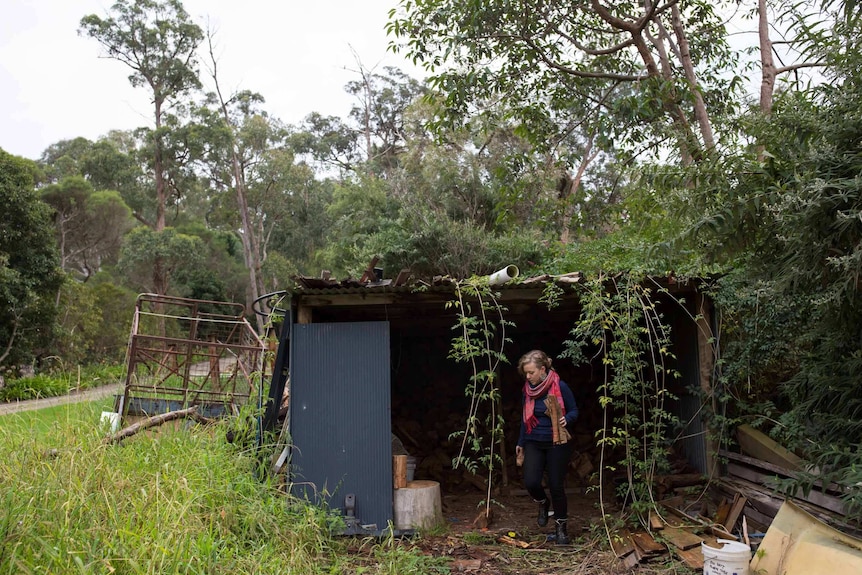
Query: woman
x=549, y=411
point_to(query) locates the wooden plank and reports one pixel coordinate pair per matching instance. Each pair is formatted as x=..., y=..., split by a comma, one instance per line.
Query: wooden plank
x=645, y=542
x=824, y=500
x=369, y=274
x=621, y=543
x=513, y=542
x=693, y=558
x=399, y=471
x=717, y=530
x=402, y=277
x=303, y=314
x=655, y=522
x=723, y=510
x=681, y=538
x=761, y=446
x=735, y=510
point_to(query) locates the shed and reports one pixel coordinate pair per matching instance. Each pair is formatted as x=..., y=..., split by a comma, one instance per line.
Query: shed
x=368, y=360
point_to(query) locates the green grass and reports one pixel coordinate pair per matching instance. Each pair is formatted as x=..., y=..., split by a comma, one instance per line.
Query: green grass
x=177, y=501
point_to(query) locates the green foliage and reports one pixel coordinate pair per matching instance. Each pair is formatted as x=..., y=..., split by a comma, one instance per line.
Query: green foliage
x=143, y=247
x=29, y=274
x=35, y=387
x=563, y=69
x=58, y=381
x=785, y=215
x=94, y=320
x=394, y=557
x=89, y=225
x=156, y=39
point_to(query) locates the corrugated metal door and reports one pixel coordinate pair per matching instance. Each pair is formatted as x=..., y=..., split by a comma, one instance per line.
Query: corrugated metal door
x=340, y=420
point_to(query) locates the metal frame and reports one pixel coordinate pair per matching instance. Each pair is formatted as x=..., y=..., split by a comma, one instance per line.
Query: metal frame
x=184, y=352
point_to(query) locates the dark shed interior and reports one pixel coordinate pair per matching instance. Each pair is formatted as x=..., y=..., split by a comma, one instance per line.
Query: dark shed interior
x=428, y=402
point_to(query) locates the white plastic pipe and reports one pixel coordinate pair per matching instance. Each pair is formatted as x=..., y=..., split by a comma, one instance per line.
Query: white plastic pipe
x=504, y=275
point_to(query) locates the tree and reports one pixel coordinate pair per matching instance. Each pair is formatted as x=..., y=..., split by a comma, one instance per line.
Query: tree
x=157, y=40
x=29, y=275
x=143, y=246
x=379, y=116
x=89, y=225
x=638, y=72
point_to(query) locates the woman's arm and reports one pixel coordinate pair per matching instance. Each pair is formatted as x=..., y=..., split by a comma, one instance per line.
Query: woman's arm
x=569, y=401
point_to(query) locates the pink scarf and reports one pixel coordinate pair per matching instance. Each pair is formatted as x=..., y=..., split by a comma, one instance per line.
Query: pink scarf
x=551, y=386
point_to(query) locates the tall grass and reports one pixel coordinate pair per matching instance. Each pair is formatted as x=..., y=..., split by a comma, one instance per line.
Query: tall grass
x=179, y=500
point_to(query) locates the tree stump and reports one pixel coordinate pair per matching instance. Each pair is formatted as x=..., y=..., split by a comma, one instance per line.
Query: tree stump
x=418, y=505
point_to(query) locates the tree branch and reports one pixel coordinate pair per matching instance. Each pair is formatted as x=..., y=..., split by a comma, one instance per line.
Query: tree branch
x=580, y=73
x=793, y=67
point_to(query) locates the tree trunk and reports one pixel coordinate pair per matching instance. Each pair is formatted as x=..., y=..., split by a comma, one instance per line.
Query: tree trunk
x=159, y=274
x=685, y=56
x=573, y=184
x=767, y=64
x=249, y=237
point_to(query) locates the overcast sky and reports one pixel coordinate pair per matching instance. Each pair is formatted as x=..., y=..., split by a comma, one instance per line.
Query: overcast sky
x=298, y=54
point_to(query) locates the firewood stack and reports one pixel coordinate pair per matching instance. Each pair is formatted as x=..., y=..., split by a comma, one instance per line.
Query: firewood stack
x=424, y=419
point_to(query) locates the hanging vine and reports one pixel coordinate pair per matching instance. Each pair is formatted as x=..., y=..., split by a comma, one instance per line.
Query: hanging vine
x=480, y=339
x=622, y=324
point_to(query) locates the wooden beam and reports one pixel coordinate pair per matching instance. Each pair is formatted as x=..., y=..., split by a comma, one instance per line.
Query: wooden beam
x=369, y=275
x=303, y=314
x=736, y=508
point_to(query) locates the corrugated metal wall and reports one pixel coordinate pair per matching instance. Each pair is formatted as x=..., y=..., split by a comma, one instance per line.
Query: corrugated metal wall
x=340, y=419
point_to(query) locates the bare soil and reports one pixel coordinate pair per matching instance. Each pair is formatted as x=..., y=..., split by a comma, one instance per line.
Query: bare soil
x=513, y=544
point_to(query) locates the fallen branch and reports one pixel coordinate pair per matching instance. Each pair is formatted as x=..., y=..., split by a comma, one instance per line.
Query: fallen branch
x=131, y=430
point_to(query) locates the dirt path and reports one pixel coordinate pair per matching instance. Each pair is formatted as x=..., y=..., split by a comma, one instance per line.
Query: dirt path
x=75, y=397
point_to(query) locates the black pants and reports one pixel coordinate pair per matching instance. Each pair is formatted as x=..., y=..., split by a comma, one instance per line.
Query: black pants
x=541, y=457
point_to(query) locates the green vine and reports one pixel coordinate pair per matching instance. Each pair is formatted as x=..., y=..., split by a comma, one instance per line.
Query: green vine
x=621, y=323
x=480, y=340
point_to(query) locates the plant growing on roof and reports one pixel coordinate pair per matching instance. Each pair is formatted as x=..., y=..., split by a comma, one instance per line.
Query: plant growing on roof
x=481, y=337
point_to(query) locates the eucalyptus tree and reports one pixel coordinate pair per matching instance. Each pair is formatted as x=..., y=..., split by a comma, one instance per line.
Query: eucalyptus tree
x=372, y=137
x=109, y=163
x=238, y=135
x=642, y=72
x=157, y=41
x=89, y=225
x=379, y=113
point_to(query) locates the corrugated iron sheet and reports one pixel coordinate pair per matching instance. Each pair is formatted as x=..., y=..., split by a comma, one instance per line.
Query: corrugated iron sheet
x=340, y=419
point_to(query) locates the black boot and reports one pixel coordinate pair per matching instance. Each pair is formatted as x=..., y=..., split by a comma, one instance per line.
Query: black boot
x=562, y=537
x=544, y=506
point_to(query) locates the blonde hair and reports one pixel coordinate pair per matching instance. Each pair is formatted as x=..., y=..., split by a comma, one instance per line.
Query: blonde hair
x=539, y=357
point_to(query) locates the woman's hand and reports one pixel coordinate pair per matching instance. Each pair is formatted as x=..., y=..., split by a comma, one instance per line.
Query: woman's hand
x=563, y=421
x=519, y=451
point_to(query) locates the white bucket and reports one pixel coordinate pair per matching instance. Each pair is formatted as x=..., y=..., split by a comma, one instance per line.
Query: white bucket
x=732, y=559
x=110, y=421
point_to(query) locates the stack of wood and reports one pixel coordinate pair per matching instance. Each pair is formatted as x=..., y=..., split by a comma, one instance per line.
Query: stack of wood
x=755, y=477
x=672, y=531
x=757, y=481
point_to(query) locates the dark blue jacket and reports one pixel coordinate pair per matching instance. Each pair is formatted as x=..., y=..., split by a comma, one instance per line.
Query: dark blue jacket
x=543, y=430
